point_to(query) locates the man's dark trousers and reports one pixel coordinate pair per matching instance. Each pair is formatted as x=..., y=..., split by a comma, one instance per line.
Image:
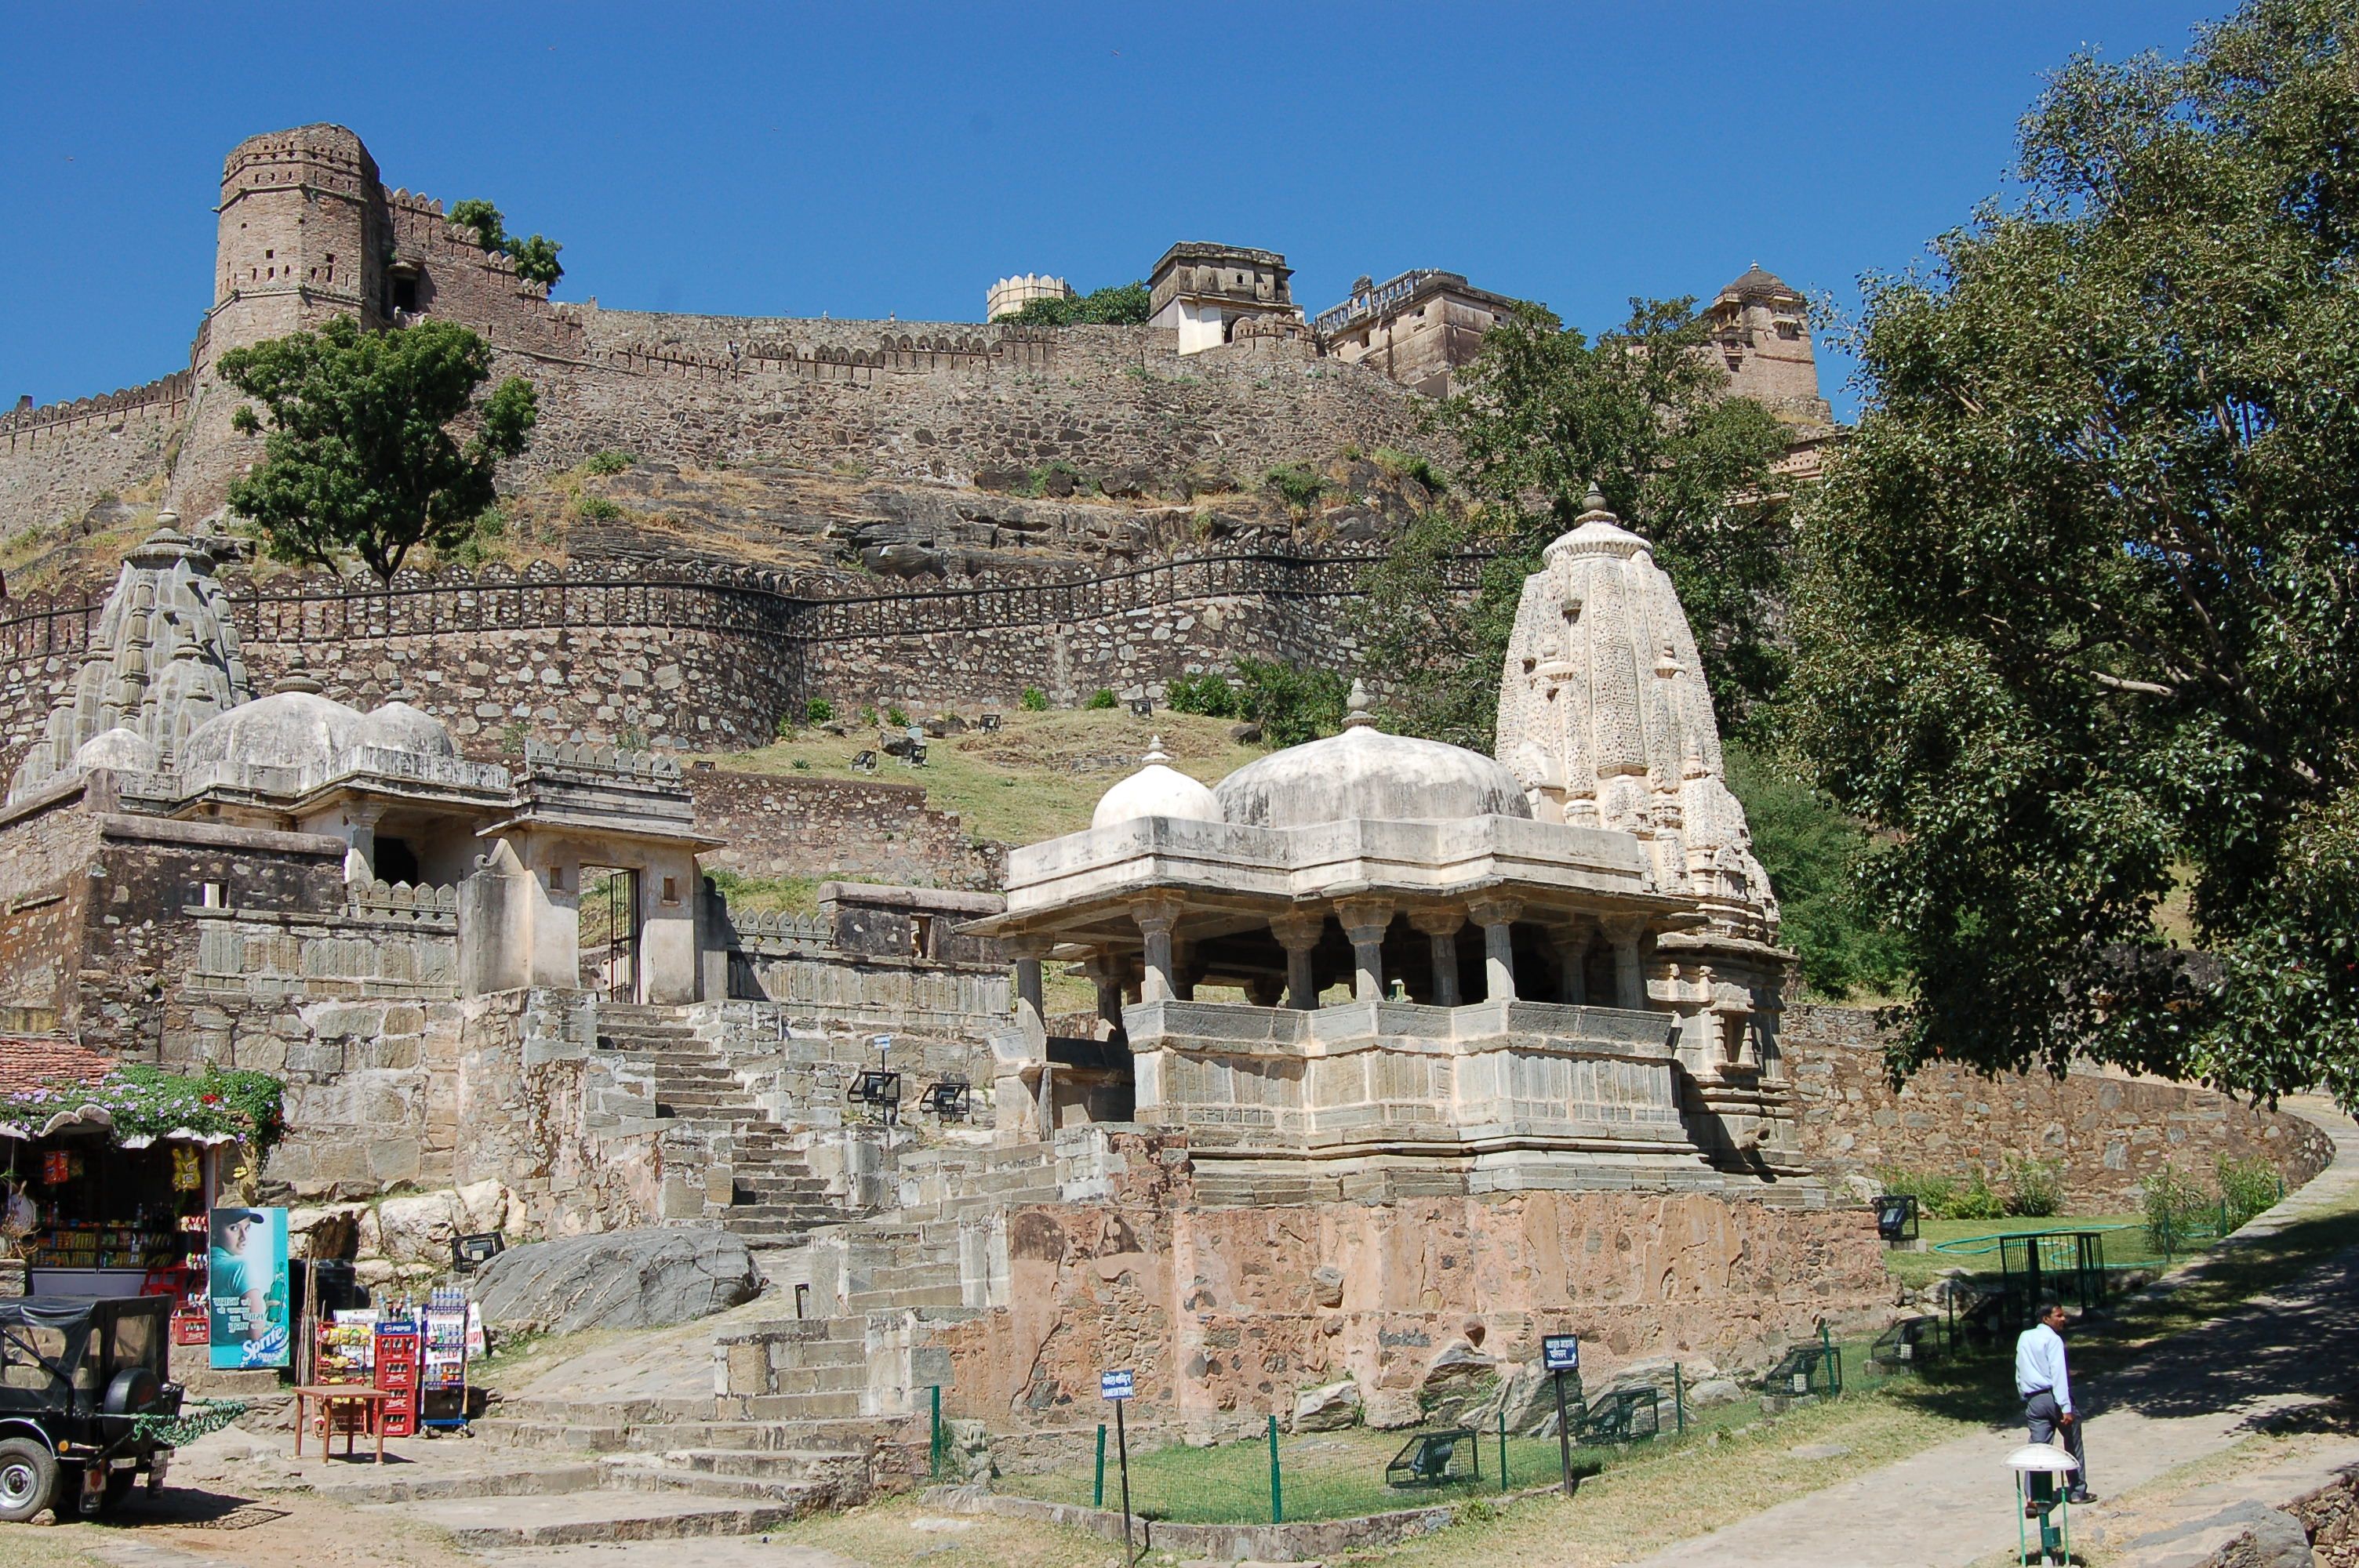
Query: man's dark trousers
x=2040, y=1414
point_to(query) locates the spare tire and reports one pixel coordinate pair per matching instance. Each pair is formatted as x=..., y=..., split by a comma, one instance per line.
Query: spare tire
x=133, y=1390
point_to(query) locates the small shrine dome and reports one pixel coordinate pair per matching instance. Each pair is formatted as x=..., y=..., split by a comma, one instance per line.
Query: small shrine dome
x=289, y=729
x=1156, y=790
x=118, y=747
x=399, y=727
x=1364, y=772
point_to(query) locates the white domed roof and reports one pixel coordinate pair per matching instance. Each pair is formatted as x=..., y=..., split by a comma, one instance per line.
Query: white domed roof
x=1364, y=772
x=117, y=748
x=401, y=728
x=1156, y=790
x=284, y=730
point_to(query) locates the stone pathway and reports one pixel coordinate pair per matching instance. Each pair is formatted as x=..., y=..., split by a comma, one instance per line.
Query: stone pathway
x=2190, y=1397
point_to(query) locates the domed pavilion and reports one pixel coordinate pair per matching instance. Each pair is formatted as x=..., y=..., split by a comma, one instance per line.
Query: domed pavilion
x=1375, y=966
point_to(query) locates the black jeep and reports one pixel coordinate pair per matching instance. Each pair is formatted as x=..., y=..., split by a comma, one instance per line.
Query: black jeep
x=83, y=1398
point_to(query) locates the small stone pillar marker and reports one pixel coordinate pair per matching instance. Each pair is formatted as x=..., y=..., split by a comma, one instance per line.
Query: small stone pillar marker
x=1496, y=916
x=1107, y=973
x=1363, y=921
x=1299, y=933
x=1156, y=917
x=1441, y=927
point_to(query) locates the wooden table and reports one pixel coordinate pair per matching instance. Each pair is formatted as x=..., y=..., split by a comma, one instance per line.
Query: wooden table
x=328, y=1396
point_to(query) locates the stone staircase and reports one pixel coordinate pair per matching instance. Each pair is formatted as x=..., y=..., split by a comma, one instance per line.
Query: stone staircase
x=773, y=1197
x=663, y=1469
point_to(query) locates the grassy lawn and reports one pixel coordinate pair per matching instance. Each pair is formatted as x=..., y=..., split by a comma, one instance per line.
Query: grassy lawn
x=1039, y=776
x=1922, y=1269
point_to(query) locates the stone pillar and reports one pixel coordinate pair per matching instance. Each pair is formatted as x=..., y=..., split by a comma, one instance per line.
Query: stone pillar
x=1156, y=917
x=1107, y=973
x=1298, y=933
x=1441, y=927
x=360, y=832
x=1027, y=952
x=1573, y=938
x=1364, y=920
x=1629, y=980
x=1496, y=916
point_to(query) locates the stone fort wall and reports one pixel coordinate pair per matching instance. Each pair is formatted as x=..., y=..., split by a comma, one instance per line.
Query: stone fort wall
x=712, y=661
x=2109, y=1133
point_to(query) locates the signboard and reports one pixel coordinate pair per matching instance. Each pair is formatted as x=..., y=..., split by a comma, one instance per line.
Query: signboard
x=1115, y=1385
x=1561, y=1353
x=246, y=1288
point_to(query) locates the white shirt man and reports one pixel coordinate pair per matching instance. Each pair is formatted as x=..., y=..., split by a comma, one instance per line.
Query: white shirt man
x=2046, y=1385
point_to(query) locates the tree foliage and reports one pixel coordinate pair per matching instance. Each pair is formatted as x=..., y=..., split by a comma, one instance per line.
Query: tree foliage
x=535, y=258
x=377, y=443
x=1120, y=305
x=2080, y=616
x=1546, y=412
x=1811, y=852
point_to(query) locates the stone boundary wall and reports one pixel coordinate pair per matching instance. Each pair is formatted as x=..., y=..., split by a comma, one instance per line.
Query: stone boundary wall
x=2110, y=1131
x=712, y=659
x=780, y=826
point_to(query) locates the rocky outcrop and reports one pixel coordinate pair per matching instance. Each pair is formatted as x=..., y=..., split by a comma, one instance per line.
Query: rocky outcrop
x=624, y=1278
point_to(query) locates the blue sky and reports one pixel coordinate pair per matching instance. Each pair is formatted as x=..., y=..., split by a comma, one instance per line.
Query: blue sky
x=862, y=160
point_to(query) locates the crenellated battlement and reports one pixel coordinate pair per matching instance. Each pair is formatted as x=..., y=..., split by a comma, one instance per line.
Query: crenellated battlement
x=165, y=397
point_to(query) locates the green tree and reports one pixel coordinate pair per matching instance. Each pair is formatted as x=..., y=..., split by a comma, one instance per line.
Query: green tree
x=1121, y=305
x=377, y=443
x=1811, y=852
x=2080, y=614
x=1642, y=412
x=535, y=258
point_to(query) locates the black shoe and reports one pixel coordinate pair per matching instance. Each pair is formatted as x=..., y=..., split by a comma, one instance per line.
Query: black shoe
x=2080, y=1496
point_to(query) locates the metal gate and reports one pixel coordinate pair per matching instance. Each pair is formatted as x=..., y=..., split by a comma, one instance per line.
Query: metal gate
x=609, y=916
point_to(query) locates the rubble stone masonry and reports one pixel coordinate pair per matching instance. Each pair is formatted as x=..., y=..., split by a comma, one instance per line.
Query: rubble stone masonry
x=2108, y=1132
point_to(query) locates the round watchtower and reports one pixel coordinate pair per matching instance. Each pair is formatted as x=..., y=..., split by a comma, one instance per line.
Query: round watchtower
x=302, y=236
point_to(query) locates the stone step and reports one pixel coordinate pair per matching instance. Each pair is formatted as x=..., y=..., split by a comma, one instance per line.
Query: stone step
x=715, y=1114
x=374, y=1485
x=749, y=1437
x=766, y=1464
x=582, y=1519
x=634, y=1475
x=844, y=1406
x=563, y=1436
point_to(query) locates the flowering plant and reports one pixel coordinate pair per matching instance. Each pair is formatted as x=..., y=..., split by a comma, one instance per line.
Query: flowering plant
x=146, y=1102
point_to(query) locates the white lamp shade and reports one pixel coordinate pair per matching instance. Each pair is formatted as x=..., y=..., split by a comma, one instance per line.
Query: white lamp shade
x=2044, y=1457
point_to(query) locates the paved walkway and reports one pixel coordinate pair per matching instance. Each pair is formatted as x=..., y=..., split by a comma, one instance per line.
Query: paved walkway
x=2188, y=1397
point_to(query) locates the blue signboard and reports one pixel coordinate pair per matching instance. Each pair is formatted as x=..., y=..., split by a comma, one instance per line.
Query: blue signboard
x=1561, y=1353
x=1115, y=1385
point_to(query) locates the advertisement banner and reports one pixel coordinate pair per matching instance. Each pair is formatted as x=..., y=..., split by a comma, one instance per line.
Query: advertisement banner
x=247, y=1288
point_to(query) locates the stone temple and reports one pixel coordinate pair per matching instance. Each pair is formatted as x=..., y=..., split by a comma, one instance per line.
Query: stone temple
x=1555, y=971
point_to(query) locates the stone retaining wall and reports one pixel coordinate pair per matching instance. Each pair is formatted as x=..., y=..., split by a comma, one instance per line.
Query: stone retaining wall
x=2109, y=1131
x=781, y=826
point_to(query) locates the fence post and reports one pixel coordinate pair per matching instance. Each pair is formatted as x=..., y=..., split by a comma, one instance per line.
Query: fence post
x=1502, y=1445
x=1277, y=1492
x=1680, y=1397
x=934, y=1452
x=1097, y=1493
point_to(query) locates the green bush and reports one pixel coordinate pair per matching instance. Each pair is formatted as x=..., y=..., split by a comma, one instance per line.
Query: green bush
x=1291, y=704
x=2176, y=1208
x=1207, y=694
x=1398, y=464
x=597, y=509
x=2248, y=1187
x=818, y=710
x=896, y=718
x=1295, y=485
x=611, y=460
x=1120, y=305
x=1034, y=700
x=2035, y=1187
x=1101, y=698
x=1976, y=1201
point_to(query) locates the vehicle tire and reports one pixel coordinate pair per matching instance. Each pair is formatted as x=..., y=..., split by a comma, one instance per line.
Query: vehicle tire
x=28, y=1478
x=118, y=1486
